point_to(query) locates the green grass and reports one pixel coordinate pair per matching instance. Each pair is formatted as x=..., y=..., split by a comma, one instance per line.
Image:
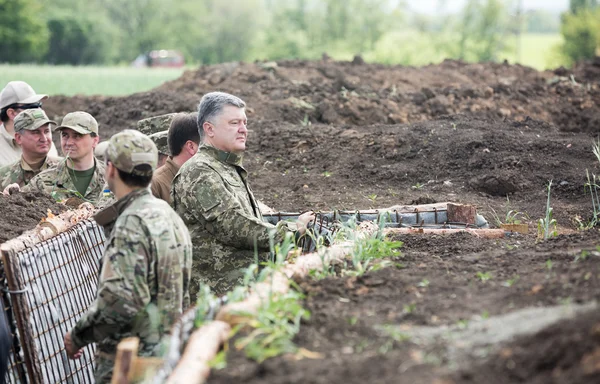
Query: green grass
x=538, y=50
x=88, y=80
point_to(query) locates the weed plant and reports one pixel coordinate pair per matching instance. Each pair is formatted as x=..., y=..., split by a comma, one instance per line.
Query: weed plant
x=547, y=225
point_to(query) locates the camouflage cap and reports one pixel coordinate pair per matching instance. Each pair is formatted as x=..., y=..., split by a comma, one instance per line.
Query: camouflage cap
x=31, y=119
x=81, y=122
x=161, y=142
x=100, y=149
x=129, y=149
x=155, y=124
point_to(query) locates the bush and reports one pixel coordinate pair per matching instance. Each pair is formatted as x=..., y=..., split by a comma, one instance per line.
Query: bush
x=581, y=32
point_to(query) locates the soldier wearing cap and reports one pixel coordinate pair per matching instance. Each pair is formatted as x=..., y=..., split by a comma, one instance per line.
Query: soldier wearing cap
x=80, y=175
x=143, y=284
x=183, y=140
x=160, y=140
x=156, y=128
x=16, y=97
x=33, y=135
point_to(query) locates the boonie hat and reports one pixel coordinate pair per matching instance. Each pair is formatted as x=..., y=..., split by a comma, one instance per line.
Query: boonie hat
x=81, y=122
x=129, y=150
x=161, y=142
x=19, y=92
x=31, y=119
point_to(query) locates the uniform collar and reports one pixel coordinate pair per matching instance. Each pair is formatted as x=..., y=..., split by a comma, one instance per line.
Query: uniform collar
x=110, y=214
x=26, y=167
x=224, y=157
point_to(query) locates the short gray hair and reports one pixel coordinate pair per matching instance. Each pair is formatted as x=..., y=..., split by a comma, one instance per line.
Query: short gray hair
x=212, y=104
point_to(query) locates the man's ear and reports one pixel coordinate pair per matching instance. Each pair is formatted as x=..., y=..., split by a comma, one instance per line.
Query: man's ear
x=96, y=141
x=11, y=113
x=110, y=169
x=209, y=129
x=18, y=138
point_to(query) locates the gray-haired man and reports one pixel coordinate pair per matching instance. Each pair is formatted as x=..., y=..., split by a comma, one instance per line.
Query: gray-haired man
x=212, y=195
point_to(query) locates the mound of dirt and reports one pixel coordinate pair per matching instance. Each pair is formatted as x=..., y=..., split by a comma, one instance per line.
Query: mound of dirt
x=355, y=93
x=23, y=211
x=567, y=352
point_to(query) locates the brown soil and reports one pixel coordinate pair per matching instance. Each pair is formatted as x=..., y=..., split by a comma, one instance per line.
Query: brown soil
x=23, y=211
x=349, y=135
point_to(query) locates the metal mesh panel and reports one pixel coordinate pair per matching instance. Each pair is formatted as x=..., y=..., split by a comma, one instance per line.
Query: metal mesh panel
x=51, y=285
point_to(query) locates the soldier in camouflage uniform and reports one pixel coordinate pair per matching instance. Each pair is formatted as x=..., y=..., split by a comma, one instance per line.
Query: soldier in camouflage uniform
x=211, y=193
x=156, y=128
x=160, y=140
x=143, y=284
x=33, y=135
x=80, y=174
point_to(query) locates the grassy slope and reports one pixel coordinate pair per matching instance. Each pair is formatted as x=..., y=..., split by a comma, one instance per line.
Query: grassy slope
x=68, y=80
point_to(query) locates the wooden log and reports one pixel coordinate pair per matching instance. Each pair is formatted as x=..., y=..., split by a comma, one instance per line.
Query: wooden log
x=203, y=346
x=483, y=233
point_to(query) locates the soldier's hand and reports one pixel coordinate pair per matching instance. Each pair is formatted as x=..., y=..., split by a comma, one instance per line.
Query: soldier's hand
x=304, y=219
x=10, y=189
x=72, y=352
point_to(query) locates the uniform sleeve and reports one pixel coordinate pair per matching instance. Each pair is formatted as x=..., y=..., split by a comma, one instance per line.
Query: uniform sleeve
x=123, y=288
x=35, y=185
x=211, y=203
x=5, y=176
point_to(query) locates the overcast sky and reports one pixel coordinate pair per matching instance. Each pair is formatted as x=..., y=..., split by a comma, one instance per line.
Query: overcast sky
x=431, y=6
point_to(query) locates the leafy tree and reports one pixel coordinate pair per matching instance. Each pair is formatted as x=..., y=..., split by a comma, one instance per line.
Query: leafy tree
x=581, y=32
x=580, y=5
x=76, y=39
x=481, y=31
x=23, y=34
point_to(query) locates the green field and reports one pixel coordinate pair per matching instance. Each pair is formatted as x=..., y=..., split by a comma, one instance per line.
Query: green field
x=537, y=50
x=69, y=80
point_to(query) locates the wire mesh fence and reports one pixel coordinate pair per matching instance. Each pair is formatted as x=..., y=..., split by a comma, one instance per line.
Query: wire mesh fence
x=50, y=286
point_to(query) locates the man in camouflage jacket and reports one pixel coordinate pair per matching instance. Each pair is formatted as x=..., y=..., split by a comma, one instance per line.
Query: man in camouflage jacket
x=211, y=193
x=143, y=284
x=33, y=135
x=80, y=175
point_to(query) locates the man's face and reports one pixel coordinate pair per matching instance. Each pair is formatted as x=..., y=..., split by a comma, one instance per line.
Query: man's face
x=229, y=132
x=35, y=143
x=75, y=145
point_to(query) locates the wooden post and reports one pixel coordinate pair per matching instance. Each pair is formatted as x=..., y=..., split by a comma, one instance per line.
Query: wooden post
x=129, y=367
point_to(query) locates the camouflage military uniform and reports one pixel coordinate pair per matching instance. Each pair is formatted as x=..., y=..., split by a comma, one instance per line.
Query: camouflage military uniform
x=144, y=278
x=143, y=284
x=212, y=195
x=57, y=182
x=21, y=173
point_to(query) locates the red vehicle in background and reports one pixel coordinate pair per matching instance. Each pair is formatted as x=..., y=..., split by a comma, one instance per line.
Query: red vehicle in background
x=163, y=58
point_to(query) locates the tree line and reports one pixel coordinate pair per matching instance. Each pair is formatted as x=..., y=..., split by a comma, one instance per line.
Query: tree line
x=212, y=31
